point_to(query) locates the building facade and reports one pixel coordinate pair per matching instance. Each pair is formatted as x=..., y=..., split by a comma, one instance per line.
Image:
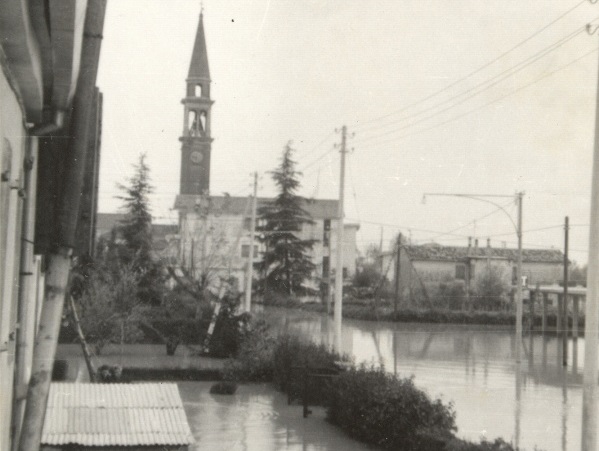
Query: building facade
x=215, y=236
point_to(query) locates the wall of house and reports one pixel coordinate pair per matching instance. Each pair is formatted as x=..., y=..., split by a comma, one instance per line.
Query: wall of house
x=542, y=273
x=232, y=231
x=500, y=267
x=12, y=146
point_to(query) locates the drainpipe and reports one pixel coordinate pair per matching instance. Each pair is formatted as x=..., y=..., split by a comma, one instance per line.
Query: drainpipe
x=48, y=128
x=26, y=317
x=59, y=266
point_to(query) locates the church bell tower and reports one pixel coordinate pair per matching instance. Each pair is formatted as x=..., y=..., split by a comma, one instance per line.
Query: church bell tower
x=195, y=140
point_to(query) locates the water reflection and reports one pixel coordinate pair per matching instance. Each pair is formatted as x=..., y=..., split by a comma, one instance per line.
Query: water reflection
x=535, y=403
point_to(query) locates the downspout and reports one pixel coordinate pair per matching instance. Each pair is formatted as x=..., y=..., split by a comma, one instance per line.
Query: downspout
x=48, y=128
x=26, y=317
x=60, y=260
x=26, y=271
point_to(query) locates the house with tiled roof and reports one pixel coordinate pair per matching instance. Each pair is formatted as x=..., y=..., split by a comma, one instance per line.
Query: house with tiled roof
x=424, y=268
x=94, y=417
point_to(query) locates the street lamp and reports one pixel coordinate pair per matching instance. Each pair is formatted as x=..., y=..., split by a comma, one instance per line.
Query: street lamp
x=518, y=227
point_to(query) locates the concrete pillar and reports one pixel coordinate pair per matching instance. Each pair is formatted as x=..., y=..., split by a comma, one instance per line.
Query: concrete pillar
x=558, y=314
x=544, y=319
x=575, y=300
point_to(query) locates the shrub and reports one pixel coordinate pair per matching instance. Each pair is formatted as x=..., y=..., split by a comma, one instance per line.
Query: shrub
x=229, y=331
x=224, y=388
x=291, y=355
x=484, y=445
x=379, y=408
x=254, y=360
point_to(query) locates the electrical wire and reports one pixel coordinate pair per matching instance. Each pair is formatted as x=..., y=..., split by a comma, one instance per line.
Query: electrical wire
x=474, y=91
x=476, y=71
x=474, y=110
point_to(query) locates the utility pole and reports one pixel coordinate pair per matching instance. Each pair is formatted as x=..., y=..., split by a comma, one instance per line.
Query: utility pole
x=518, y=228
x=397, y=272
x=519, y=197
x=591, y=326
x=381, y=251
x=565, y=306
x=339, y=264
x=250, y=266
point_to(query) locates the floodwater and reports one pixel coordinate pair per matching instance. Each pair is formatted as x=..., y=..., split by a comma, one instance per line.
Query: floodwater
x=473, y=367
x=257, y=418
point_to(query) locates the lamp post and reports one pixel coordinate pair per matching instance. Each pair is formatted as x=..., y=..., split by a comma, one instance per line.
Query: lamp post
x=518, y=227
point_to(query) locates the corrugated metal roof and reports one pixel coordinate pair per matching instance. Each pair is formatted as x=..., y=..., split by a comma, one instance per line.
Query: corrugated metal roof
x=231, y=205
x=115, y=415
x=455, y=253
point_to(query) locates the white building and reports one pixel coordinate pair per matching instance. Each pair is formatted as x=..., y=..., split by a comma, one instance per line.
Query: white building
x=215, y=234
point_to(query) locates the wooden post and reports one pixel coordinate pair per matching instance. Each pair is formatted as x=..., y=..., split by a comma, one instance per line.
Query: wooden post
x=59, y=264
x=87, y=355
x=532, y=298
x=544, y=319
x=397, y=273
x=558, y=313
x=566, y=296
x=575, y=306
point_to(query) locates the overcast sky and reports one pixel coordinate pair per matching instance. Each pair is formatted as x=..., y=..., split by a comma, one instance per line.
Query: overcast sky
x=460, y=96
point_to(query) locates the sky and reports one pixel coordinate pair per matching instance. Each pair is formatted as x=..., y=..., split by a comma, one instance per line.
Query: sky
x=461, y=96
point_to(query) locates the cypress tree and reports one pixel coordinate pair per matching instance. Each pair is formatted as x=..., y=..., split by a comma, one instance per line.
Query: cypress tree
x=286, y=261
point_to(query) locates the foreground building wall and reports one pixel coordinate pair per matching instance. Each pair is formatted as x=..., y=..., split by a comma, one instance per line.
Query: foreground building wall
x=40, y=55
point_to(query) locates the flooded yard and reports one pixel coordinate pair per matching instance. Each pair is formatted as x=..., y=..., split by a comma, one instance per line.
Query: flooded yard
x=257, y=418
x=538, y=403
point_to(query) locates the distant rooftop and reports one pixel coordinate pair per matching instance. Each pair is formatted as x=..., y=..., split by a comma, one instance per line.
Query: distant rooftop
x=106, y=221
x=454, y=253
x=115, y=415
x=231, y=205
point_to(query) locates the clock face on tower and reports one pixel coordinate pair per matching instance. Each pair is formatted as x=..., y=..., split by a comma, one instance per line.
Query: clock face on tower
x=196, y=157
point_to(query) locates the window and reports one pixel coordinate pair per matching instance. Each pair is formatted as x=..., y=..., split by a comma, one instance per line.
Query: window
x=245, y=250
x=345, y=272
x=203, y=118
x=198, y=90
x=460, y=271
x=247, y=223
x=326, y=236
x=192, y=123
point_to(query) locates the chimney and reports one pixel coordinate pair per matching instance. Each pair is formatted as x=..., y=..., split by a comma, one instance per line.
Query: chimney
x=504, y=244
x=476, y=243
x=469, y=241
x=488, y=242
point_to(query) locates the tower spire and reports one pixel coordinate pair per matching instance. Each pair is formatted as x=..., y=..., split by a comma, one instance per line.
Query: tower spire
x=196, y=139
x=198, y=68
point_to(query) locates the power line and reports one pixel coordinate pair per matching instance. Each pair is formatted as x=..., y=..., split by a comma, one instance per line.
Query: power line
x=474, y=91
x=309, y=152
x=484, y=66
x=473, y=221
x=484, y=105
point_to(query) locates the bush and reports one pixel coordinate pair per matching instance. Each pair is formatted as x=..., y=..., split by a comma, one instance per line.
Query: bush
x=291, y=356
x=484, y=445
x=379, y=408
x=254, y=360
x=368, y=403
x=224, y=388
